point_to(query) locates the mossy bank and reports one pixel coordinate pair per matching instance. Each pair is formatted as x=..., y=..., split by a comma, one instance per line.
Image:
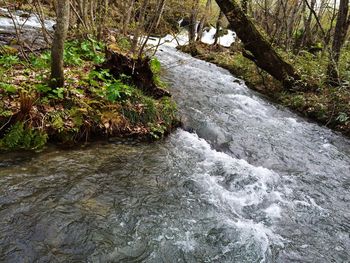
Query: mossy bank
x=93, y=104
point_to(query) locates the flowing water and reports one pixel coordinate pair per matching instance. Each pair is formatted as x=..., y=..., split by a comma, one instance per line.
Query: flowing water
x=244, y=181
x=28, y=26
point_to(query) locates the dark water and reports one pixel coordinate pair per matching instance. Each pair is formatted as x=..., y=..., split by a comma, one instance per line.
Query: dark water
x=249, y=183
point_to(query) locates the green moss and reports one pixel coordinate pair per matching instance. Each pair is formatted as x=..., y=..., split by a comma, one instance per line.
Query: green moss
x=156, y=66
x=124, y=43
x=8, y=50
x=168, y=111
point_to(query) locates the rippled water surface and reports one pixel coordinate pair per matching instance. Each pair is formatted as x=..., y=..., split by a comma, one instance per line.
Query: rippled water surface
x=244, y=182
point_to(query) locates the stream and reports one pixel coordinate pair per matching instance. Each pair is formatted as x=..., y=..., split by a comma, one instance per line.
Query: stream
x=243, y=181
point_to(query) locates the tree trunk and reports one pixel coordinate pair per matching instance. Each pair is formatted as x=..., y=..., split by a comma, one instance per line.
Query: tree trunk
x=266, y=23
x=161, y=10
x=203, y=20
x=102, y=13
x=307, y=37
x=41, y=17
x=127, y=18
x=193, y=22
x=139, y=27
x=333, y=18
x=218, y=27
x=341, y=29
x=85, y=13
x=244, y=4
x=57, y=77
x=292, y=24
x=262, y=53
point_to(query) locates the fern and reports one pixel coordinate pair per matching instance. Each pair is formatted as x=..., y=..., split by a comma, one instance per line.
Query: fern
x=21, y=137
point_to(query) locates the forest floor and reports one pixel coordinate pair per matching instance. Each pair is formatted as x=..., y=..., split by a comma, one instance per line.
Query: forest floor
x=92, y=104
x=328, y=106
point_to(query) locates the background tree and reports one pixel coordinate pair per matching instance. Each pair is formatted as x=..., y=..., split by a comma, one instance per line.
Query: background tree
x=193, y=22
x=203, y=20
x=218, y=27
x=57, y=50
x=258, y=49
x=244, y=4
x=341, y=30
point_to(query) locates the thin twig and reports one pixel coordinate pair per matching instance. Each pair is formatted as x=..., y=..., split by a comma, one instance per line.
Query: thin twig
x=6, y=123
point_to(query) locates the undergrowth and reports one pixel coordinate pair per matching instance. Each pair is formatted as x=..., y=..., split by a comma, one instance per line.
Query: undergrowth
x=91, y=104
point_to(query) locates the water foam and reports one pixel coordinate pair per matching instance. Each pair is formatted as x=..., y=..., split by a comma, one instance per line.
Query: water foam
x=182, y=39
x=232, y=185
x=32, y=21
x=248, y=105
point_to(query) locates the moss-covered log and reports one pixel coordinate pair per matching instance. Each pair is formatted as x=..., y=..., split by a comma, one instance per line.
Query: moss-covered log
x=261, y=51
x=139, y=69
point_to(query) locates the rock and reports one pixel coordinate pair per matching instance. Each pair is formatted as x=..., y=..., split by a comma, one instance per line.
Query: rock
x=25, y=15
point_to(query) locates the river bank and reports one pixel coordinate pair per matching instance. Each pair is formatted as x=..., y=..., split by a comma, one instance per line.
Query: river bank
x=92, y=104
x=328, y=106
x=96, y=102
